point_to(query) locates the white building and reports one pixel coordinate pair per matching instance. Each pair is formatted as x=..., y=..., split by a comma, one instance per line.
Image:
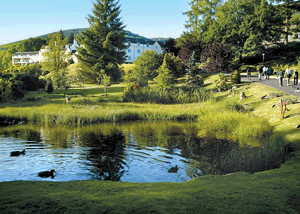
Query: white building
x=135, y=48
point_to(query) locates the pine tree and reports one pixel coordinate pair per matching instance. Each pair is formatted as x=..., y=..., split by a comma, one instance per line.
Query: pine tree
x=71, y=38
x=103, y=43
x=165, y=77
x=193, y=77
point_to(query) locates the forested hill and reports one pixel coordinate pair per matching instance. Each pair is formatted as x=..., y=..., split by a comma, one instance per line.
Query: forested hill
x=76, y=32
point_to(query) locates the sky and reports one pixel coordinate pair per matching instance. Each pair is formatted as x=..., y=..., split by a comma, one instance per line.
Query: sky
x=21, y=19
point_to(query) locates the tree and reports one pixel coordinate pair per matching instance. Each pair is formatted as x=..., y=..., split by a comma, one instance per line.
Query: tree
x=216, y=57
x=170, y=47
x=193, y=77
x=244, y=23
x=71, y=38
x=55, y=60
x=103, y=43
x=290, y=23
x=62, y=37
x=201, y=16
x=175, y=65
x=106, y=82
x=145, y=67
x=188, y=47
x=165, y=77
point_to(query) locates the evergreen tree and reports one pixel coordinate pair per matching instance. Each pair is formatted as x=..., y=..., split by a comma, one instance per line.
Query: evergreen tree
x=193, y=77
x=165, y=77
x=103, y=43
x=71, y=38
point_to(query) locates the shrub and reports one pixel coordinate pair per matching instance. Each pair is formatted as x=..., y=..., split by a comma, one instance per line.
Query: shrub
x=221, y=83
x=235, y=77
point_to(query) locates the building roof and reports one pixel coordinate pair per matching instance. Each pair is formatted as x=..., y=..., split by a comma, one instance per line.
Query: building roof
x=140, y=40
x=29, y=52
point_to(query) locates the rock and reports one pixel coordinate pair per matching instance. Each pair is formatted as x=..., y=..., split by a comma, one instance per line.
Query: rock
x=271, y=96
x=288, y=101
x=242, y=95
x=68, y=99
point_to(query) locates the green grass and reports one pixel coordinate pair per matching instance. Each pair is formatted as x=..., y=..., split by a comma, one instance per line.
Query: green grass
x=252, y=119
x=275, y=191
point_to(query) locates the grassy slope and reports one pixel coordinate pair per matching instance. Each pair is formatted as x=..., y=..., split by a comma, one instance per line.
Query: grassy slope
x=274, y=191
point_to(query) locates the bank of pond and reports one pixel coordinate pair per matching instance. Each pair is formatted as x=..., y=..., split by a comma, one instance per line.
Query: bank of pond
x=136, y=151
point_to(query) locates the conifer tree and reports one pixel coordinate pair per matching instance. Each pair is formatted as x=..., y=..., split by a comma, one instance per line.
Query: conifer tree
x=165, y=77
x=103, y=43
x=193, y=77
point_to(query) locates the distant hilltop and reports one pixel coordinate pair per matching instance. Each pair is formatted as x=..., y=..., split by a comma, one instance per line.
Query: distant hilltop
x=76, y=32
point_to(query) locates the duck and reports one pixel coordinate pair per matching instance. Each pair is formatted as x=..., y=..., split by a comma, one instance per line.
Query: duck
x=173, y=169
x=17, y=153
x=298, y=127
x=46, y=174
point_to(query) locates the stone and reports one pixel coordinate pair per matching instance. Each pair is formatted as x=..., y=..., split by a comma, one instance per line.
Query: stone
x=271, y=96
x=68, y=99
x=242, y=95
x=288, y=101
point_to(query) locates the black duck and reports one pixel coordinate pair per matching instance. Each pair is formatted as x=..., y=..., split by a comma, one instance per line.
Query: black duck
x=46, y=174
x=173, y=169
x=17, y=153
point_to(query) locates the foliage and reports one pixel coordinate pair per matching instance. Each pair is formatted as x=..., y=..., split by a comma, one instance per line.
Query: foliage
x=216, y=57
x=165, y=96
x=170, y=47
x=235, y=77
x=11, y=88
x=49, y=87
x=193, y=75
x=221, y=82
x=71, y=38
x=31, y=44
x=165, y=78
x=55, y=60
x=175, y=65
x=103, y=43
x=188, y=47
x=145, y=67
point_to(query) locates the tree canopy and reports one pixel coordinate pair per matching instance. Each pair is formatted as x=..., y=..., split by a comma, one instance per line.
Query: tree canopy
x=103, y=43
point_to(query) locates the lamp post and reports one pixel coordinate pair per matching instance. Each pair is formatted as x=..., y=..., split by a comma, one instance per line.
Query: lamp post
x=263, y=59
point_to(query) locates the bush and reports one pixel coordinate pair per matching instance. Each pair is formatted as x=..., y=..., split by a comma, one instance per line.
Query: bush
x=235, y=77
x=221, y=83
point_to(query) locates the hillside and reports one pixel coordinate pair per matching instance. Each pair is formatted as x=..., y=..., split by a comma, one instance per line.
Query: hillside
x=76, y=32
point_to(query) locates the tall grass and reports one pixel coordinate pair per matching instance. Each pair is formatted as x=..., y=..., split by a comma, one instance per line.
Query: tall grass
x=242, y=127
x=166, y=96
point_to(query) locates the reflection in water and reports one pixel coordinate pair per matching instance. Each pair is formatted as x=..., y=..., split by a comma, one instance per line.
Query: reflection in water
x=136, y=152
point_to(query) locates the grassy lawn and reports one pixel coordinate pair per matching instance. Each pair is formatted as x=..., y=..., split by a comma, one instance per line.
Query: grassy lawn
x=273, y=191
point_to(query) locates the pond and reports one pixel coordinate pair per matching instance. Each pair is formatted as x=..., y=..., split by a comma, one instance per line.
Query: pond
x=126, y=152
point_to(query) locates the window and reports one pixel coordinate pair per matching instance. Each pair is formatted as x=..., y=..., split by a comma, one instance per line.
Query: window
x=138, y=44
x=129, y=58
x=147, y=45
x=129, y=50
x=138, y=51
x=155, y=47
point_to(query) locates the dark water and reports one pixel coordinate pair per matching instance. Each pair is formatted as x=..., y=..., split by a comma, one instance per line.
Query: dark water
x=132, y=152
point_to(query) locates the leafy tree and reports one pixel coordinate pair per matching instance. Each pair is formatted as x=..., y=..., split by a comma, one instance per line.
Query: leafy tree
x=175, y=65
x=103, y=43
x=31, y=44
x=201, y=16
x=146, y=66
x=243, y=23
x=216, y=57
x=170, y=47
x=71, y=38
x=188, y=47
x=193, y=76
x=165, y=77
x=55, y=60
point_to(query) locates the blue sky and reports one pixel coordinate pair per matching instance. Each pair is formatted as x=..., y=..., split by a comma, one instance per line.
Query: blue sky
x=21, y=19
